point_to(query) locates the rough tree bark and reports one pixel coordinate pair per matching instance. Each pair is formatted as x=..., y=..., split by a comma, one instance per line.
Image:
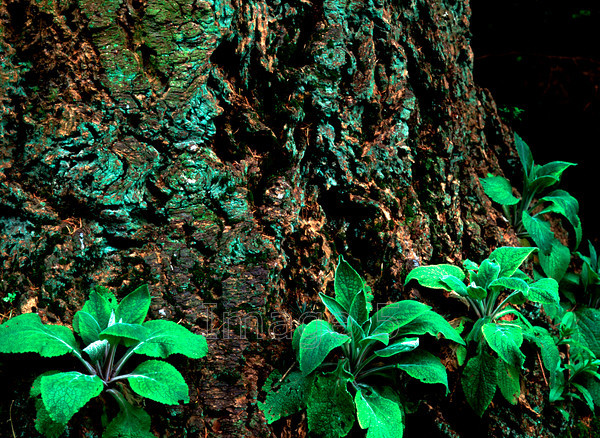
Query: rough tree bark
x=226, y=152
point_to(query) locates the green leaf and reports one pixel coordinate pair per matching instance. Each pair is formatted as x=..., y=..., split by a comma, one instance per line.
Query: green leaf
x=508, y=379
x=44, y=424
x=479, y=381
x=454, y=284
x=164, y=338
x=347, y=284
x=433, y=324
x=287, y=398
x=588, y=322
x=382, y=417
x=335, y=308
x=425, y=367
x=26, y=334
x=488, y=272
x=134, y=307
x=317, y=340
x=403, y=345
x=355, y=330
x=395, y=315
x=130, y=422
x=565, y=204
x=65, y=393
x=128, y=334
x=524, y=155
x=36, y=386
x=510, y=258
x=555, y=262
x=431, y=276
x=330, y=409
x=94, y=315
x=159, y=381
x=97, y=350
x=358, y=308
x=499, y=190
x=548, y=349
x=384, y=338
x=553, y=169
x=505, y=339
x=477, y=293
x=296, y=338
x=544, y=291
x=510, y=283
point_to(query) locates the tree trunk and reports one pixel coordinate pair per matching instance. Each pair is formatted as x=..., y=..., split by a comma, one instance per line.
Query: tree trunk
x=225, y=153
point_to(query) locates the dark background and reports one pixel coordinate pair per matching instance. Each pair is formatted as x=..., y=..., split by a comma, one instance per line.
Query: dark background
x=543, y=57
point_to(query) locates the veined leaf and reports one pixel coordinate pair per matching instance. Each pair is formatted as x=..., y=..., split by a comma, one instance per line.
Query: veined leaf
x=505, y=339
x=475, y=292
x=130, y=422
x=87, y=326
x=134, y=307
x=358, y=308
x=44, y=424
x=555, y=262
x=159, y=381
x=129, y=334
x=588, y=322
x=330, y=409
x=508, y=378
x=296, y=338
x=488, y=272
x=65, y=393
x=318, y=339
x=95, y=312
x=511, y=283
x=544, y=291
x=288, y=398
x=565, y=204
x=498, y=190
x=384, y=338
x=403, y=345
x=395, y=315
x=382, y=417
x=510, y=258
x=553, y=169
x=355, y=330
x=454, y=284
x=26, y=334
x=164, y=338
x=425, y=367
x=479, y=381
x=347, y=284
x=548, y=349
x=431, y=276
x=335, y=308
x=96, y=350
x=433, y=324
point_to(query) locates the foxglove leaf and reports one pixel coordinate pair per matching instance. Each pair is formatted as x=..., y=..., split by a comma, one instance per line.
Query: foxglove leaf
x=330, y=409
x=382, y=417
x=425, y=367
x=317, y=340
x=479, y=381
x=498, y=190
x=164, y=338
x=65, y=393
x=510, y=258
x=130, y=422
x=287, y=398
x=396, y=315
x=432, y=276
x=505, y=339
x=159, y=381
x=134, y=307
x=347, y=284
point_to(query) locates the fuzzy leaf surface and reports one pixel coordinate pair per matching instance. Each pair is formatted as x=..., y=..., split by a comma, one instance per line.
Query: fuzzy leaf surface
x=318, y=339
x=159, y=381
x=130, y=422
x=510, y=258
x=432, y=276
x=65, y=393
x=382, y=417
x=290, y=397
x=499, y=190
x=164, y=338
x=396, y=315
x=506, y=340
x=432, y=323
x=479, y=381
x=347, y=284
x=26, y=334
x=134, y=307
x=330, y=409
x=424, y=366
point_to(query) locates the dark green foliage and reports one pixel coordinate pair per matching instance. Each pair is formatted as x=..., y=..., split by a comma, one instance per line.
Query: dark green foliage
x=362, y=382
x=105, y=326
x=492, y=290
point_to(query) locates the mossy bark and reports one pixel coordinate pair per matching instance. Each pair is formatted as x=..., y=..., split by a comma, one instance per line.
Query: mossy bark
x=226, y=152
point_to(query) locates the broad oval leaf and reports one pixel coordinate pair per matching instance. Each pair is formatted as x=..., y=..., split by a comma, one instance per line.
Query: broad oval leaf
x=475, y=292
x=288, y=397
x=330, y=408
x=382, y=417
x=524, y=155
x=555, y=263
x=479, y=381
x=544, y=291
x=26, y=334
x=97, y=350
x=44, y=424
x=134, y=307
x=499, y=190
x=395, y=315
x=424, y=366
x=65, y=393
x=510, y=283
x=588, y=322
x=358, y=308
x=454, y=284
x=159, y=381
x=100, y=304
x=433, y=324
x=164, y=338
x=488, y=272
x=128, y=334
x=510, y=258
x=318, y=339
x=403, y=345
x=431, y=276
x=347, y=283
x=87, y=326
x=505, y=340
x=508, y=378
